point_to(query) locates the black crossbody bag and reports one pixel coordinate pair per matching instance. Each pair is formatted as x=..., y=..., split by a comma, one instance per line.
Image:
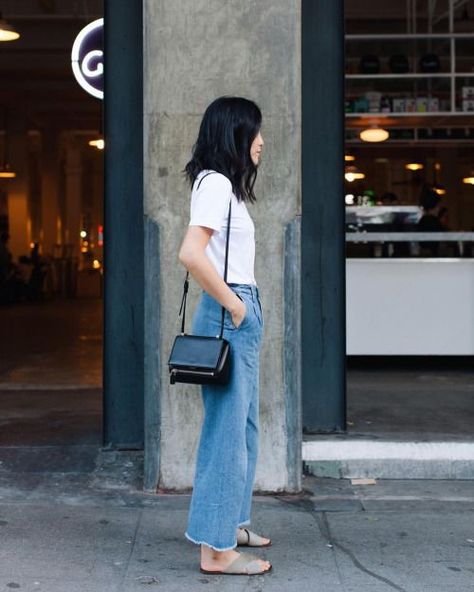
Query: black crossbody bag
x=200, y=359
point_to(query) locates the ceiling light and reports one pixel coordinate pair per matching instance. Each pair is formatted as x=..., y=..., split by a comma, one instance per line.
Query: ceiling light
x=414, y=166
x=99, y=143
x=374, y=134
x=353, y=174
x=440, y=189
x=6, y=172
x=349, y=158
x=7, y=31
x=469, y=180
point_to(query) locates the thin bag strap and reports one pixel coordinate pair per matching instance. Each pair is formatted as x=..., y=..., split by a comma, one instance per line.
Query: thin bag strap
x=182, y=308
x=226, y=262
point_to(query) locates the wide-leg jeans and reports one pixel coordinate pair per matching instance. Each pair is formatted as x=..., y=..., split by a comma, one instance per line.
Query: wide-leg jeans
x=228, y=447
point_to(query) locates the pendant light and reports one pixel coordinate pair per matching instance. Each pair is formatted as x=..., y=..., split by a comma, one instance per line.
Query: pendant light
x=374, y=134
x=414, y=166
x=7, y=31
x=6, y=172
x=5, y=169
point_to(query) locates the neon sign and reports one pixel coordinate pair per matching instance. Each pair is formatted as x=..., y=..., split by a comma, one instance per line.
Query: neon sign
x=87, y=58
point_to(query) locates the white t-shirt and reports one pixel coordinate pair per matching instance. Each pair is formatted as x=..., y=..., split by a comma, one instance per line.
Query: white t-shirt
x=210, y=208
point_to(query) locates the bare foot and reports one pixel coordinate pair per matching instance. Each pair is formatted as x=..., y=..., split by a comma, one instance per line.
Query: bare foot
x=220, y=560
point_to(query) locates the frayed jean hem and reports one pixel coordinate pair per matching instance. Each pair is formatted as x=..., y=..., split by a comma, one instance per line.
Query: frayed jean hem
x=208, y=545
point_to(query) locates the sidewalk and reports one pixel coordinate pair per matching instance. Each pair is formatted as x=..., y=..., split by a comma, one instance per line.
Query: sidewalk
x=82, y=524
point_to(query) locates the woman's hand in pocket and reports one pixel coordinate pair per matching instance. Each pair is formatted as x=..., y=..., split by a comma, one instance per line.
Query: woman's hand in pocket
x=238, y=313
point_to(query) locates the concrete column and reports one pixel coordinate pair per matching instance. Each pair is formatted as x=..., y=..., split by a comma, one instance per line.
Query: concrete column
x=195, y=52
x=50, y=169
x=17, y=189
x=73, y=172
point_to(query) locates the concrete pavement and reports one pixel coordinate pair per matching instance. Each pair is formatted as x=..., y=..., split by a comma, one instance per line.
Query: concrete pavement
x=85, y=525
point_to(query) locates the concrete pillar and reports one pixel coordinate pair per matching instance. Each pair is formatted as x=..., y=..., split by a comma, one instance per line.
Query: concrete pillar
x=50, y=170
x=17, y=189
x=195, y=52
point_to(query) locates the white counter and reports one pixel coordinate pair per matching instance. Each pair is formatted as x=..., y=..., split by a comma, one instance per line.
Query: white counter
x=410, y=306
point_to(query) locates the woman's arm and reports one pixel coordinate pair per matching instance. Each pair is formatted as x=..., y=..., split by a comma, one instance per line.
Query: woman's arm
x=192, y=255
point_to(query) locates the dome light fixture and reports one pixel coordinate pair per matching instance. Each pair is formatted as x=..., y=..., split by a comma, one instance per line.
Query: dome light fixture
x=374, y=134
x=99, y=143
x=414, y=166
x=353, y=174
x=6, y=172
x=7, y=31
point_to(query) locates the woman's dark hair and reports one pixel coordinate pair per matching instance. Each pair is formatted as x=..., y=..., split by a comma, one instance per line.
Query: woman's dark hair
x=429, y=199
x=228, y=128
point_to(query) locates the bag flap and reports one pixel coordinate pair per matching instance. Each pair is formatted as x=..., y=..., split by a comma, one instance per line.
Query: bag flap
x=196, y=351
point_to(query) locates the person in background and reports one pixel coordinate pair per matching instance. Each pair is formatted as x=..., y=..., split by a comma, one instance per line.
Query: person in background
x=443, y=217
x=429, y=221
x=388, y=199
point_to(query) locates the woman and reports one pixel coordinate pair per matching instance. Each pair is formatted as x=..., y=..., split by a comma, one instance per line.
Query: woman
x=223, y=170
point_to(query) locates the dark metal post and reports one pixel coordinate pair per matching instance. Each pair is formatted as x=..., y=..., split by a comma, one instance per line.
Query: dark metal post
x=322, y=230
x=123, y=229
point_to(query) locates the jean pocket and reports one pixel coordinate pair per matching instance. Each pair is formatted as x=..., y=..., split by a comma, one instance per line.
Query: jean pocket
x=247, y=310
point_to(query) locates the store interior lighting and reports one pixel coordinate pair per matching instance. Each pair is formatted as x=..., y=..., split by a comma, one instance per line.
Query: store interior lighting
x=99, y=143
x=440, y=189
x=349, y=158
x=6, y=172
x=414, y=166
x=7, y=31
x=374, y=134
x=469, y=180
x=353, y=174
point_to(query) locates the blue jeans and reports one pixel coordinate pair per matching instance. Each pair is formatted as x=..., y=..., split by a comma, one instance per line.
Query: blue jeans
x=227, y=455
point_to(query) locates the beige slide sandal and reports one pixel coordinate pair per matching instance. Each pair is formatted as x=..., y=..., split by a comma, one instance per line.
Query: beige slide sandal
x=244, y=565
x=247, y=538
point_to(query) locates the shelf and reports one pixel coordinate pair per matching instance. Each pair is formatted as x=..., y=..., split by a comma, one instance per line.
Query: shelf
x=415, y=114
x=414, y=75
x=420, y=120
x=413, y=36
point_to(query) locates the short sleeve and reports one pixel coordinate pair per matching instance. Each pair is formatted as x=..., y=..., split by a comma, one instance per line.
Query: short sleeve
x=210, y=203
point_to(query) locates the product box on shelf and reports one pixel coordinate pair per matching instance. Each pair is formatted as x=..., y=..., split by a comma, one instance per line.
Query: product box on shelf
x=468, y=92
x=373, y=99
x=468, y=105
x=410, y=105
x=361, y=105
x=422, y=104
x=433, y=104
x=398, y=105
